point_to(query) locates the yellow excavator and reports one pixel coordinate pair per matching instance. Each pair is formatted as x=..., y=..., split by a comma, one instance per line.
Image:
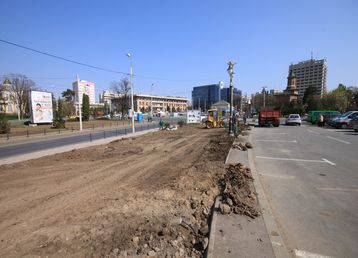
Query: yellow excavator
x=214, y=120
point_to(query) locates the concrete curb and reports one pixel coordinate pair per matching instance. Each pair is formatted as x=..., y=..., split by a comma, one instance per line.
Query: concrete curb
x=278, y=246
x=47, y=152
x=210, y=250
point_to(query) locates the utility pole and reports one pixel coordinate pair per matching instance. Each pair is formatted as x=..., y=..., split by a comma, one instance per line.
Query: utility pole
x=79, y=103
x=151, y=100
x=130, y=81
x=230, y=71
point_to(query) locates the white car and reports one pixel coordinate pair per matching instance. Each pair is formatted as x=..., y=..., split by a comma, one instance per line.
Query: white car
x=293, y=119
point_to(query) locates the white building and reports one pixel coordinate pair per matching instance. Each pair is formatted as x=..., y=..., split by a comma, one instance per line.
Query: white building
x=84, y=87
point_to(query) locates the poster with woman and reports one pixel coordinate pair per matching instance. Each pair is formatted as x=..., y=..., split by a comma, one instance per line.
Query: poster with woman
x=41, y=107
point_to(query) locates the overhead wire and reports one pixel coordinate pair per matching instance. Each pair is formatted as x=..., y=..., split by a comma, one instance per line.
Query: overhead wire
x=89, y=65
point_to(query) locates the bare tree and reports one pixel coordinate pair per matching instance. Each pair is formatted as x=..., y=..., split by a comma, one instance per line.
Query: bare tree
x=121, y=101
x=20, y=87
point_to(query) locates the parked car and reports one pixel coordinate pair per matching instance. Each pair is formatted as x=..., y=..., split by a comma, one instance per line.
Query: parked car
x=343, y=120
x=354, y=123
x=329, y=117
x=293, y=119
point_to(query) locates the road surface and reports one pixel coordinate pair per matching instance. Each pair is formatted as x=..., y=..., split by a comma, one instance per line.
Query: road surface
x=40, y=144
x=310, y=176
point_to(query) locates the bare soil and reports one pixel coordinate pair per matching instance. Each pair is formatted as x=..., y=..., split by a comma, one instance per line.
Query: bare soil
x=145, y=196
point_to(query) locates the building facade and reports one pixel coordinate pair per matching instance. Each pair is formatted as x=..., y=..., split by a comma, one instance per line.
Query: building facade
x=237, y=94
x=84, y=87
x=203, y=97
x=7, y=100
x=143, y=102
x=310, y=73
x=290, y=94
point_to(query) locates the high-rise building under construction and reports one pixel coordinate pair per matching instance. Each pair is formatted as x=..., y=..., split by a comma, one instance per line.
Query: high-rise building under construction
x=310, y=73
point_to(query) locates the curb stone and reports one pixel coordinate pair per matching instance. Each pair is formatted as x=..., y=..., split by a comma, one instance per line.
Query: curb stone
x=210, y=250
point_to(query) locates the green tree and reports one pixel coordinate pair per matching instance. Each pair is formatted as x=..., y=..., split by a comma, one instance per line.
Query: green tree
x=173, y=109
x=168, y=109
x=69, y=95
x=311, y=100
x=4, y=124
x=85, y=107
x=58, y=121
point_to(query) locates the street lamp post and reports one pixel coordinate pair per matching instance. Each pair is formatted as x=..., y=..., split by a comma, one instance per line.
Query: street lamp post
x=230, y=71
x=151, y=100
x=130, y=82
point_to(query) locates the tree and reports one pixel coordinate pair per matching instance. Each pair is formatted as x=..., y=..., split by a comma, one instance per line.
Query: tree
x=4, y=124
x=69, y=95
x=20, y=87
x=69, y=103
x=168, y=109
x=173, y=109
x=311, y=100
x=58, y=121
x=85, y=107
x=122, y=89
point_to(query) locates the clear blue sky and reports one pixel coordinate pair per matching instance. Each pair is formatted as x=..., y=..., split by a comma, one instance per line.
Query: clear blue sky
x=179, y=44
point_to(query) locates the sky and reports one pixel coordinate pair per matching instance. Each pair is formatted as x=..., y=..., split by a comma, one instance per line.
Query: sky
x=178, y=44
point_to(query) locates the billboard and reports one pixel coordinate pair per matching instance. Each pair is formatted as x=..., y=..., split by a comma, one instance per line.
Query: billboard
x=41, y=107
x=193, y=117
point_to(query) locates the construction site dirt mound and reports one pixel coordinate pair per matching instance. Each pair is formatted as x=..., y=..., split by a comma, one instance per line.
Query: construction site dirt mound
x=146, y=196
x=237, y=191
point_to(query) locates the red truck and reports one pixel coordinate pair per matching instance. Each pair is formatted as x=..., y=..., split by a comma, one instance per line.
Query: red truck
x=269, y=117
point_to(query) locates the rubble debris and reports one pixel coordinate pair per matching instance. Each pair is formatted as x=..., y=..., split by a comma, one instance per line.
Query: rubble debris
x=239, y=146
x=248, y=145
x=236, y=185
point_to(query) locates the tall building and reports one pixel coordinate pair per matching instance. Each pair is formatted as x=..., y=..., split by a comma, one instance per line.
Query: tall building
x=310, y=73
x=84, y=87
x=204, y=96
x=225, y=95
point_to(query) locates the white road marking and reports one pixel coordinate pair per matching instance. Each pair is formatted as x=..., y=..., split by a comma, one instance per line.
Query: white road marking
x=329, y=162
x=337, y=189
x=301, y=160
x=295, y=141
x=311, y=131
x=338, y=140
x=276, y=243
x=278, y=176
x=306, y=254
x=267, y=133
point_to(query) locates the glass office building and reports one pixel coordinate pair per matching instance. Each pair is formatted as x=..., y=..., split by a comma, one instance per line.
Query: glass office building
x=204, y=96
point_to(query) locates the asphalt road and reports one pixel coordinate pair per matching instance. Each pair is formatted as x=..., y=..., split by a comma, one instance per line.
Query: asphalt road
x=310, y=176
x=24, y=148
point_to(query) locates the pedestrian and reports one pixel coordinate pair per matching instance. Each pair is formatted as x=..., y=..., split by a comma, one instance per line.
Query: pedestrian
x=320, y=120
x=161, y=124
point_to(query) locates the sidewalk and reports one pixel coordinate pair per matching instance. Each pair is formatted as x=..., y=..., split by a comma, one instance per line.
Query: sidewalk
x=237, y=235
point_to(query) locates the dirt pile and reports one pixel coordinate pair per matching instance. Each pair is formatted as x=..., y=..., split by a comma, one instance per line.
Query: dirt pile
x=237, y=193
x=145, y=196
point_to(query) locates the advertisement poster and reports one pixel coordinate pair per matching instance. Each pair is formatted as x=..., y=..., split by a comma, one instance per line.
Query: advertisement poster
x=193, y=117
x=41, y=107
